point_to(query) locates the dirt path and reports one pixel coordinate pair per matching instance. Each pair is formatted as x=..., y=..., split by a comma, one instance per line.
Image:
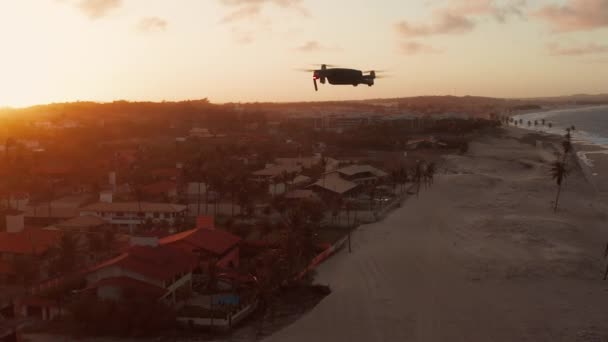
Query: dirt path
x=479, y=257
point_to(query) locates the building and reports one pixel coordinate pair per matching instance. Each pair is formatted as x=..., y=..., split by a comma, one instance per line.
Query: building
x=164, y=190
x=85, y=224
x=147, y=269
x=132, y=214
x=19, y=243
x=361, y=174
x=333, y=185
x=272, y=172
x=55, y=210
x=215, y=245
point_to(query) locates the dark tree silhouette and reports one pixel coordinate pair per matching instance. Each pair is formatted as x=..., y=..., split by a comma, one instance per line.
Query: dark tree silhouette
x=559, y=174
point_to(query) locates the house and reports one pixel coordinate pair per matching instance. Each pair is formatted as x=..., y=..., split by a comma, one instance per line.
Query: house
x=131, y=214
x=272, y=172
x=21, y=243
x=209, y=244
x=148, y=270
x=279, y=188
x=360, y=174
x=55, y=210
x=86, y=223
x=334, y=185
x=166, y=190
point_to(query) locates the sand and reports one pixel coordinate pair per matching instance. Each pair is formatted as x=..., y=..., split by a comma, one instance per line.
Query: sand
x=480, y=256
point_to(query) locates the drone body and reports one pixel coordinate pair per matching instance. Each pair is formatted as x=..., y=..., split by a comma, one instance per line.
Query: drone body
x=342, y=76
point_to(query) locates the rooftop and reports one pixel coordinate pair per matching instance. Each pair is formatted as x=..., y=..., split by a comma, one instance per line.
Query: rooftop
x=215, y=241
x=31, y=241
x=334, y=183
x=161, y=263
x=82, y=222
x=355, y=169
x=134, y=207
x=137, y=286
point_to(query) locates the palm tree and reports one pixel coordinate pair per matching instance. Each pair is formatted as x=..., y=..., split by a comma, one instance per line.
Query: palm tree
x=429, y=173
x=559, y=174
x=550, y=125
x=542, y=121
x=418, y=174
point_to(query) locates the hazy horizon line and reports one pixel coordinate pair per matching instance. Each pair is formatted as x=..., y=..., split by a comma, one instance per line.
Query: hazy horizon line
x=288, y=102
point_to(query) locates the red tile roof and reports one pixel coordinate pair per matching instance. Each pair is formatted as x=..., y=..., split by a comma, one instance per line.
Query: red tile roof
x=215, y=241
x=139, y=287
x=29, y=242
x=205, y=222
x=161, y=263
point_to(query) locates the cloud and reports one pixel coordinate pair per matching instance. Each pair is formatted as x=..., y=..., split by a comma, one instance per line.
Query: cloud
x=246, y=20
x=248, y=9
x=457, y=17
x=245, y=12
x=414, y=48
x=575, y=15
x=96, y=9
x=152, y=24
x=313, y=46
x=445, y=23
x=501, y=11
x=589, y=49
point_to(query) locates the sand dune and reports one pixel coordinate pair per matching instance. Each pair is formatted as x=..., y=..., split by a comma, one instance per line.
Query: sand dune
x=478, y=257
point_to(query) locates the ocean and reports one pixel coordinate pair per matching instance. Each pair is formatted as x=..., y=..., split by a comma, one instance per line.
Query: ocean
x=591, y=123
x=590, y=136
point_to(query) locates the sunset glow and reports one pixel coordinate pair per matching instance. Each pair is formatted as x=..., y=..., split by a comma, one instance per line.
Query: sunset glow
x=230, y=50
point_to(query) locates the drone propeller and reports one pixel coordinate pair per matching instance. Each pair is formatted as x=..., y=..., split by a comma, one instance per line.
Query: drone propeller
x=306, y=70
x=376, y=71
x=327, y=65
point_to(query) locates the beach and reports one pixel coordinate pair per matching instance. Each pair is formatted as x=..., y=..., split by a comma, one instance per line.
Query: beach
x=479, y=256
x=590, y=136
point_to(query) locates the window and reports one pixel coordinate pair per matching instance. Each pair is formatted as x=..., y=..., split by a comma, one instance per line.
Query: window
x=120, y=213
x=141, y=214
x=156, y=214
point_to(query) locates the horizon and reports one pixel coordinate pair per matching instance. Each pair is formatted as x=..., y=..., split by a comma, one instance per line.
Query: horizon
x=136, y=50
x=288, y=102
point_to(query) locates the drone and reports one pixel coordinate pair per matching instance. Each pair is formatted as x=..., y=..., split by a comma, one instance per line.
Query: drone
x=342, y=76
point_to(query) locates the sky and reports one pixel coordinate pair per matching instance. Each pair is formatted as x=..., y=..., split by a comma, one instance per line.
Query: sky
x=249, y=50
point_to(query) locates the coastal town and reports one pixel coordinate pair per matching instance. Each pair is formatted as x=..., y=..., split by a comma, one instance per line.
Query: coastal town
x=193, y=218
x=190, y=218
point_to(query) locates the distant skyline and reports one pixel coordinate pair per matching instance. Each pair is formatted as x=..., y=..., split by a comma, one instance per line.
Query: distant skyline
x=248, y=50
